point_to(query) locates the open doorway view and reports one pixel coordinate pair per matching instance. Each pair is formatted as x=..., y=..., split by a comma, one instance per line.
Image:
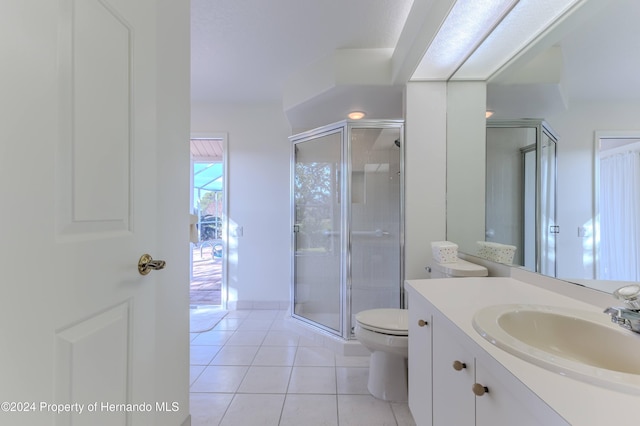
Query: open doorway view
x=617, y=207
x=207, y=208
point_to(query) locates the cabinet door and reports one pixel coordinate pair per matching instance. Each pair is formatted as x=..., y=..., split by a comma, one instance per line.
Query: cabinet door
x=420, y=379
x=508, y=402
x=453, y=401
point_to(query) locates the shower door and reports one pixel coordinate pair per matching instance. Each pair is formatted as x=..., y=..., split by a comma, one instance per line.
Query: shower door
x=318, y=239
x=374, y=223
x=346, y=210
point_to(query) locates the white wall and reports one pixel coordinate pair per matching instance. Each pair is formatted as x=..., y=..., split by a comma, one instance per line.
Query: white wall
x=466, y=143
x=575, y=128
x=425, y=172
x=258, y=192
x=259, y=156
x=505, y=200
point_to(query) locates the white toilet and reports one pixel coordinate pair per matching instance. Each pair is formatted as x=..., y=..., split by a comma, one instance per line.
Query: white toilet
x=385, y=333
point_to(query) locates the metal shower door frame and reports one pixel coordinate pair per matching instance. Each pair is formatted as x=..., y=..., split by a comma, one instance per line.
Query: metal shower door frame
x=345, y=127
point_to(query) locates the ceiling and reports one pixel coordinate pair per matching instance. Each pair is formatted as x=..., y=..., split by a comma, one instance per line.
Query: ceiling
x=605, y=52
x=595, y=59
x=249, y=51
x=245, y=51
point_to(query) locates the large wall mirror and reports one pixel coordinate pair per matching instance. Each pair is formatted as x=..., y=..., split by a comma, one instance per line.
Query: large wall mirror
x=583, y=81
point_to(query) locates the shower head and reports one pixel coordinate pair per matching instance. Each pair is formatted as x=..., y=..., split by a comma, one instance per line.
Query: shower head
x=398, y=143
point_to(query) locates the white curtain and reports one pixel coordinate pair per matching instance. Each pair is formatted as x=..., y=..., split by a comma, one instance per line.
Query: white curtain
x=620, y=217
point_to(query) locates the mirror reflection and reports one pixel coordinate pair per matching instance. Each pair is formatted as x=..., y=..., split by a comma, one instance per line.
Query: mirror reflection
x=581, y=81
x=521, y=182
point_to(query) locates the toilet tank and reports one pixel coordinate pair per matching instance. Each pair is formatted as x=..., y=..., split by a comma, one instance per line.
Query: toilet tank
x=458, y=269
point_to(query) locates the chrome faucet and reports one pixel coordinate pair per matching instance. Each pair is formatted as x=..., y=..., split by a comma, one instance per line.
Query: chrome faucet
x=628, y=316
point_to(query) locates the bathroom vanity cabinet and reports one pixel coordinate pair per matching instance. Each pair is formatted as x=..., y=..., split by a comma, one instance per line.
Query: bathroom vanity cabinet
x=471, y=389
x=446, y=367
x=420, y=361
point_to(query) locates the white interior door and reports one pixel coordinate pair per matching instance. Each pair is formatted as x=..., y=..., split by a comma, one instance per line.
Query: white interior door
x=78, y=184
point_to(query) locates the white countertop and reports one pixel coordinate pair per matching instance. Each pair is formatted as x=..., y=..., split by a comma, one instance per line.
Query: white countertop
x=578, y=402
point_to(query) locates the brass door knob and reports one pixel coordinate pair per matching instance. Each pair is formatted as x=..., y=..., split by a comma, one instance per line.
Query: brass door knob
x=457, y=365
x=422, y=323
x=146, y=264
x=479, y=390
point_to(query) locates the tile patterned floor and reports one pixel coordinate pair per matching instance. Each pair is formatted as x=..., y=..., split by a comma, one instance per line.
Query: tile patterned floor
x=253, y=369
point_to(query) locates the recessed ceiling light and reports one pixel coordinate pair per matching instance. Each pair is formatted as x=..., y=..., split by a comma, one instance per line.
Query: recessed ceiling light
x=488, y=114
x=356, y=115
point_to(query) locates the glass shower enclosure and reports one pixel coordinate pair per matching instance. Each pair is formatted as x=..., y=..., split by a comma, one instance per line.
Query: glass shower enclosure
x=347, y=230
x=521, y=191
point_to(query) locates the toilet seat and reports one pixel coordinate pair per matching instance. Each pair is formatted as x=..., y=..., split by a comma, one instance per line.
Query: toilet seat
x=393, y=322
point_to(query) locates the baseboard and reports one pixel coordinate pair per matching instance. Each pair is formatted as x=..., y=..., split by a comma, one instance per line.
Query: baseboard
x=238, y=305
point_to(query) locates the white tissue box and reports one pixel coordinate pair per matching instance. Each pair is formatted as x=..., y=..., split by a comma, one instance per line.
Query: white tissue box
x=496, y=252
x=444, y=251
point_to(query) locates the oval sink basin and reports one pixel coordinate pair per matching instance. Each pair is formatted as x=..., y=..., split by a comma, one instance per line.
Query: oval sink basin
x=579, y=344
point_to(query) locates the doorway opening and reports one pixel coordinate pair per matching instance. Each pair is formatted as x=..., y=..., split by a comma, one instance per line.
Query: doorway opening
x=208, y=209
x=617, y=206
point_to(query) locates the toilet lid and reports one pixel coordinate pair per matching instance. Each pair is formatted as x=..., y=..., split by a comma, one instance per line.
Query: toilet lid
x=387, y=321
